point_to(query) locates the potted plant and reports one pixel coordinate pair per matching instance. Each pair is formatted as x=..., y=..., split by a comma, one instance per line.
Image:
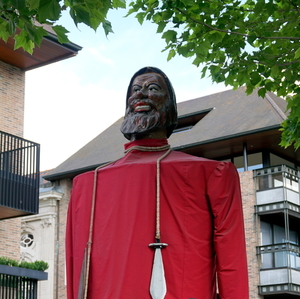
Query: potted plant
x=33, y=270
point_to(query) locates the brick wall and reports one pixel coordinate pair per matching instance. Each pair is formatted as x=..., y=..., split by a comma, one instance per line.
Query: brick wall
x=10, y=230
x=12, y=84
x=249, y=200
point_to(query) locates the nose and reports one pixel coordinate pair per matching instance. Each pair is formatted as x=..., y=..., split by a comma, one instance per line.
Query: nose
x=141, y=93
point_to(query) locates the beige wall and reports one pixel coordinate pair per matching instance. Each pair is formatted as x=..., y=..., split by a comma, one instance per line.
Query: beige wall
x=12, y=84
x=60, y=291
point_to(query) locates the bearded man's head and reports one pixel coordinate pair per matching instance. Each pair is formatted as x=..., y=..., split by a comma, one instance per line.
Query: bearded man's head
x=150, y=104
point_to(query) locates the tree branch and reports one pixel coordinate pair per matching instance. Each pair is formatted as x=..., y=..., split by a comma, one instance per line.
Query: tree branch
x=234, y=32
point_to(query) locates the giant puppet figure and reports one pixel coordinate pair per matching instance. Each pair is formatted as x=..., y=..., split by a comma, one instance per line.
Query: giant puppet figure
x=157, y=223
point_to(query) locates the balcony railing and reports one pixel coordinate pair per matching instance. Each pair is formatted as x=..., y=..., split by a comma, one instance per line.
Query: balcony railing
x=19, y=283
x=19, y=176
x=277, y=188
x=280, y=265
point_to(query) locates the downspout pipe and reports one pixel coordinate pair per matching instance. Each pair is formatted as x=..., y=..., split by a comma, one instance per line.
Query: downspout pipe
x=245, y=156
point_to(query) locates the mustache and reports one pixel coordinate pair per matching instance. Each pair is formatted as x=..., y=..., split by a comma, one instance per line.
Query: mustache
x=132, y=105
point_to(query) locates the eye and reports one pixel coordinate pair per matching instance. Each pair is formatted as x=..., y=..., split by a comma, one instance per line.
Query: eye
x=153, y=87
x=136, y=89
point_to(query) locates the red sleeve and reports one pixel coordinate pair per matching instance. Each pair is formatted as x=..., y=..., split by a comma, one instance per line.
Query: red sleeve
x=229, y=235
x=77, y=232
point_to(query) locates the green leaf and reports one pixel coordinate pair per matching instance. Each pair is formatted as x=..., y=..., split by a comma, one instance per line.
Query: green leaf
x=262, y=92
x=11, y=27
x=203, y=72
x=297, y=54
x=80, y=15
x=275, y=71
x=255, y=78
x=161, y=27
x=119, y=3
x=249, y=89
x=35, y=33
x=33, y=4
x=171, y=54
x=48, y=10
x=18, y=4
x=61, y=33
x=170, y=36
x=4, y=34
x=216, y=36
x=140, y=17
x=107, y=27
x=95, y=18
x=23, y=41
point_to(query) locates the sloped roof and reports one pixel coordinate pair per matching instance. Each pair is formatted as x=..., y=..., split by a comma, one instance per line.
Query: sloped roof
x=233, y=118
x=233, y=112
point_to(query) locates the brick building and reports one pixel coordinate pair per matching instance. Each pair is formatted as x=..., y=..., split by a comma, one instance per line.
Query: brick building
x=14, y=158
x=224, y=126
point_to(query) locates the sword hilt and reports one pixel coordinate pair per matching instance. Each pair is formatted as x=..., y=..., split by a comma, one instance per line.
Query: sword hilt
x=158, y=245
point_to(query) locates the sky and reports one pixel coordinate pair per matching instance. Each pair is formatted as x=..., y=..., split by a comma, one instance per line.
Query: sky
x=68, y=103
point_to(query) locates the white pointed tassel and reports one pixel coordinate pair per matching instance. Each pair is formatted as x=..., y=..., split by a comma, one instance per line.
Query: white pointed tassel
x=158, y=287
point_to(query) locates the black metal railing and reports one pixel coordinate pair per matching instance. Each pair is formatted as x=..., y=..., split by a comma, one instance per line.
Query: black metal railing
x=279, y=255
x=16, y=287
x=19, y=174
x=275, y=289
x=277, y=248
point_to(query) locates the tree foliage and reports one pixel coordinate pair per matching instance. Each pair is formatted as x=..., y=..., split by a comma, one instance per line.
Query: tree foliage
x=27, y=15
x=252, y=43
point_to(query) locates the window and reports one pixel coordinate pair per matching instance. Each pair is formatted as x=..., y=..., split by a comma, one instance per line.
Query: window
x=276, y=160
x=188, y=121
x=27, y=240
x=254, y=162
x=272, y=234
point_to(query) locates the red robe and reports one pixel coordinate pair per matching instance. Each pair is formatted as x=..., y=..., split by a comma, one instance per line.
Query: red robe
x=201, y=221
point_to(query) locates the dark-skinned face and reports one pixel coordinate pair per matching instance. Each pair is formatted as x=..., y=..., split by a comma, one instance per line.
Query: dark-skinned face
x=150, y=87
x=146, y=105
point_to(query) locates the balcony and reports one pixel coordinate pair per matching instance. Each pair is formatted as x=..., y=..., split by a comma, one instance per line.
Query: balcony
x=19, y=283
x=277, y=188
x=19, y=176
x=278, y=205
x=280, y=265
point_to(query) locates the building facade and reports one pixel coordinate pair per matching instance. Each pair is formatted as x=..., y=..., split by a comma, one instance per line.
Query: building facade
x=12, y=88
x=227, y=126
x=19, y=158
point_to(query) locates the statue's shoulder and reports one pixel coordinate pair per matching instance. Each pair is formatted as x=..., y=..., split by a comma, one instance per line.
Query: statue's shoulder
x=181, y=156
x=83, y=177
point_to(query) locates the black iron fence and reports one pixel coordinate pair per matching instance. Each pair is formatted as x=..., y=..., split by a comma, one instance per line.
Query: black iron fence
x=19, y=283
x=19, y=176
x=14, y=287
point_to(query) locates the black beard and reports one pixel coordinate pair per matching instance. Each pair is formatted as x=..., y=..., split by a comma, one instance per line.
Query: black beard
x=142, y=122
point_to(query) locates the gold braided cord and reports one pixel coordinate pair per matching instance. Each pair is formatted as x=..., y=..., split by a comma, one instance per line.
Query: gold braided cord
x=148, y=148
x=89, y=243
x=157, y=234
x=155, y=149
